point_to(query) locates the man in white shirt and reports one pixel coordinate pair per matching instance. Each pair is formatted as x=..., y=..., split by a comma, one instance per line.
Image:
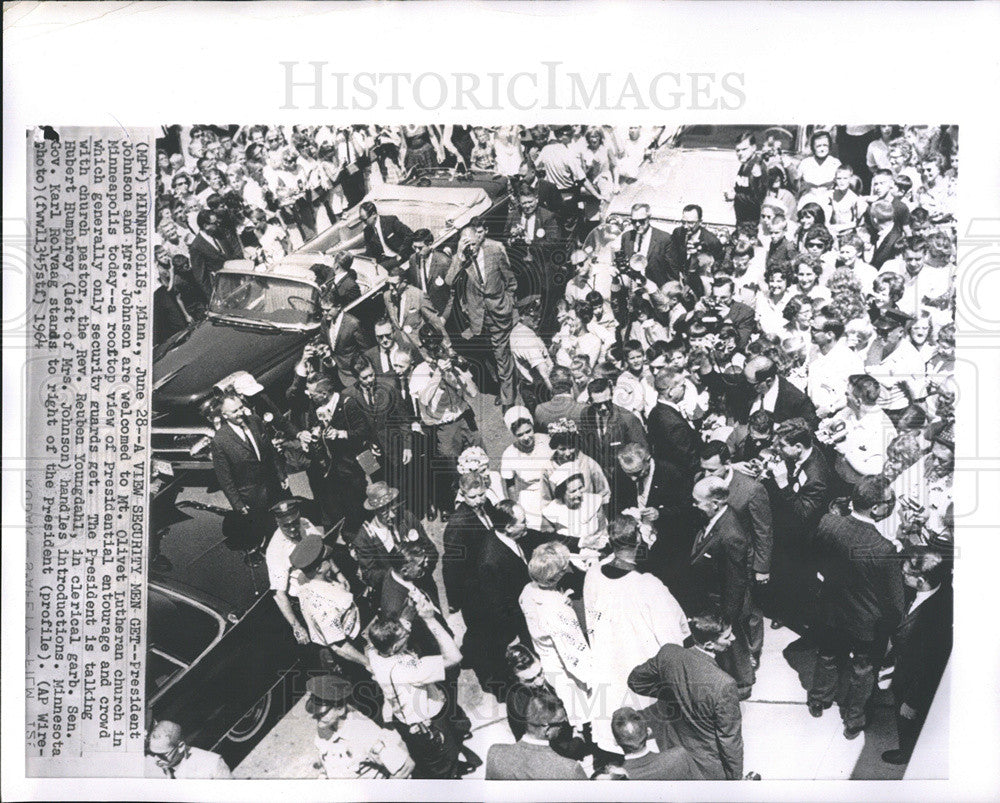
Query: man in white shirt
x=830, y=364
x=292, y=528
x=924, y=287
x=168, y=755
x=860, y=433
x=895, y=363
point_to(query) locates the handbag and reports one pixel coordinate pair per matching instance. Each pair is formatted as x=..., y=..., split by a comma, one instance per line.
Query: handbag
x=427, y=744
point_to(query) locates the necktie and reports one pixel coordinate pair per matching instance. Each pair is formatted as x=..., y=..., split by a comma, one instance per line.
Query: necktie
x=425, y=272
x=638, y=243
x=602, y=425
x=251, y=441
x=370, y=398
x=699, y=542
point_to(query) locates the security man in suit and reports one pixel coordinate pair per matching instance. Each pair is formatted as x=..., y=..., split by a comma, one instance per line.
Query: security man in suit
x=388, y=240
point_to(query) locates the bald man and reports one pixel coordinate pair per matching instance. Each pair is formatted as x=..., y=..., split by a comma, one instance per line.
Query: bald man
x=168, y=755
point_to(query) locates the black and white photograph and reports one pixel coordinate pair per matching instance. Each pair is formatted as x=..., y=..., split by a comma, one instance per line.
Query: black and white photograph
x=551, y=452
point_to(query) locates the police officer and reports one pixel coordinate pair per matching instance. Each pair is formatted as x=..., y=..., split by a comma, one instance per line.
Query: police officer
x=350, y=744
x=292, y=528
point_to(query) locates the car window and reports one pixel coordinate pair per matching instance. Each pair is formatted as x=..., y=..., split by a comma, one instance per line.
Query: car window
x=178, y=631
x=264, y=298
x=725, y=137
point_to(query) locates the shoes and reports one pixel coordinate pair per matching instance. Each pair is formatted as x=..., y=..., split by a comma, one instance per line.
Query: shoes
x=254, y=558
x=432, y=513
x=497, y=401
x=852, y=732
x=895, y=757
x=755, y=661
x=445, y=515
x=817, y=709
x=777, y=624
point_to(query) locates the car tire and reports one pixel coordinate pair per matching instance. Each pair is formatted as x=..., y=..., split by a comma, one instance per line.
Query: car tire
x=255, y=724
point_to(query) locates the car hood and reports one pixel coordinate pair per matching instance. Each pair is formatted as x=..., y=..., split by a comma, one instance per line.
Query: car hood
x=189, y=364
x=678, y=176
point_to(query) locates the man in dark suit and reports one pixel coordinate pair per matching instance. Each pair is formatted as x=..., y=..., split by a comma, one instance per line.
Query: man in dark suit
x=245, y=462
x=748, y=499
x=387, y=239
x=697, y=705
x=209, y=251
x=343, y=335
x=660, y=490
x=381, y=353
x=650, y=243
x=860, y=601
x=465, y=532
x=375, y=415
x=606, y=427
x=761, y=387
x=921, y=645
x=563, y=403
x=719, y=576
x=493, y=614
x=780, y=250
x=427, y=269
x=487, y=299
x=799, y=481
x=690, y=239
x=671, y=436
x=631, y=732
x=721, y=309
x=532, y=758
x=320, y=425
x=548, y=194
x=534, y=242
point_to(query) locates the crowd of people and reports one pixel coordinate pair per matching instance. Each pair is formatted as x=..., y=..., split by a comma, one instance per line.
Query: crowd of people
x=708, y=431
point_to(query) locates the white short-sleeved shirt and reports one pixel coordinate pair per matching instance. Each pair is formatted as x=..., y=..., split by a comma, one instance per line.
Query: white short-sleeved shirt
x=409, y=685
x=279, y=558
x=332, y=615
x=358, y=739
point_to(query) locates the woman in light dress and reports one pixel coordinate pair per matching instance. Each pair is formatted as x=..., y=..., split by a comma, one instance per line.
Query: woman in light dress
x=523, y=464
x=556, y=631
x=576, y=516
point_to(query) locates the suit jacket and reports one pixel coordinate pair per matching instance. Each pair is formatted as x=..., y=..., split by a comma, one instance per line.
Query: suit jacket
x=562, y=405
x=351, y=341
x=921, y=647
x=697, y=708
x=674, y=764
x=749, y=501
x=382, y=424
x=549, y=196
x=433, y=284
x=658, y=266
x=677, y=250
x=720, y=567
x=798, y=511
x=463, y=535
x=673, y=439
x=544, y=221
x=739, y=395
x=498, y=576
x=530, y=762
x=862, y=592
x=622, y=427
x=492, y=292
x=417, y=310
x=244, y=479
x=207, y=260
x=744, y=320
x=885, y=250
x=375, y=561
x=168, y=318
x=347, y=289
x=376, y=358
x=397, y=235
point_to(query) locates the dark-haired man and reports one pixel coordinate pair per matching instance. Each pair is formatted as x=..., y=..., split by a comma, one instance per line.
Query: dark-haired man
x=751, y=181
x=690, y=239
x=697, y=705
x=427, y=269
x=387, y=239
x=861, y=601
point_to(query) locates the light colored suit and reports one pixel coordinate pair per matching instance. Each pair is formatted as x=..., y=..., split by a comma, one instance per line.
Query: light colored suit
x=410, y=313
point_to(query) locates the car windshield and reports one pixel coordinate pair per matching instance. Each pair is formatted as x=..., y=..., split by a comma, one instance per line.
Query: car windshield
x=725, y=137
x=265, y=298
x=178, y=633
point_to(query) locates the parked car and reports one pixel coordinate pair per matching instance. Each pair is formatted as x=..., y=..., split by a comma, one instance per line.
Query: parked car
x=221, y=659
x=260, y=317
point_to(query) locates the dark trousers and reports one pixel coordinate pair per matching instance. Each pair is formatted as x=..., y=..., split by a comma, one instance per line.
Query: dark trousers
x=839, y=651
x=753, y=623
x=736, y=660
x=908, y=730
x=442, y=761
